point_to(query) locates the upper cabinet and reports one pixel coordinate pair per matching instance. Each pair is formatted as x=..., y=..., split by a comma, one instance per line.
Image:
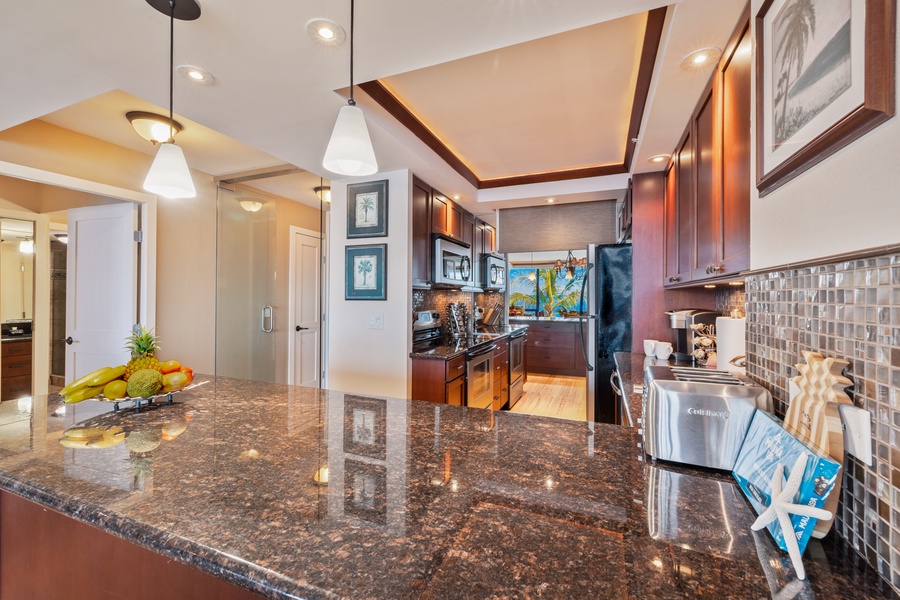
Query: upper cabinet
x=707, y=203
x=434, y=213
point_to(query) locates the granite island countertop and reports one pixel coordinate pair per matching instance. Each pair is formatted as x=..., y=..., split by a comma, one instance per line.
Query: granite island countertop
x=297, y=492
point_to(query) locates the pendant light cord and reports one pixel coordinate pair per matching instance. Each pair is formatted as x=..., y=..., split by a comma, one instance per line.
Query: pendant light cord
x=351, y=102
x=171, y=68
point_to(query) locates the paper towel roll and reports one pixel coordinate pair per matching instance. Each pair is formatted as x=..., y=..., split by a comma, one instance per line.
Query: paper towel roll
x=730, y=342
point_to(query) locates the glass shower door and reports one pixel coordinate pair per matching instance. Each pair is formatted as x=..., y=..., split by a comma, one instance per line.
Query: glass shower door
x=245, y=286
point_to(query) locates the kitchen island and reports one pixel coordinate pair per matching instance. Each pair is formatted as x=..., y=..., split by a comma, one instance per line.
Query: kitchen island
x=301, y=493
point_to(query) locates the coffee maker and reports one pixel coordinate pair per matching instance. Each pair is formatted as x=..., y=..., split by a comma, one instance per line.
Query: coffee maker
x=680, y=321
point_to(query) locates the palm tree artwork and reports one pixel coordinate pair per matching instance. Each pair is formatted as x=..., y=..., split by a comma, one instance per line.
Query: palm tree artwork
x=364, y=204
x=364, y=266
x=555, y=294
x=796, y=25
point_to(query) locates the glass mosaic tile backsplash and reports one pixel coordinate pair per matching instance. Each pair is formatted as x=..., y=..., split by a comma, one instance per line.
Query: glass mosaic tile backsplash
x=848, y=310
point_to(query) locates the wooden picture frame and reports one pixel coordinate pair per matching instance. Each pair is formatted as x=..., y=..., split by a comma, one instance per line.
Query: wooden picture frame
x=822, y=81
x=365, y=271
x=367, y=209
x=365, y=426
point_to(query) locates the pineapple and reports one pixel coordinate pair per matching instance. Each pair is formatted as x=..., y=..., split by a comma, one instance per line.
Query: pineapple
x=143, y=345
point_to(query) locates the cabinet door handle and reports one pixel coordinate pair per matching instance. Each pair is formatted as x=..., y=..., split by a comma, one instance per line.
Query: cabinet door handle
x=673, y=279
x=460, y=367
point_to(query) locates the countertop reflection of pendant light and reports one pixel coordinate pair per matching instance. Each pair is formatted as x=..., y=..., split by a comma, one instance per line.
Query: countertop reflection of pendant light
x=349, y=150
x=169, y=176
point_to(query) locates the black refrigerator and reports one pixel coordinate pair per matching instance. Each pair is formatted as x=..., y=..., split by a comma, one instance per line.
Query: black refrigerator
x=606, y=327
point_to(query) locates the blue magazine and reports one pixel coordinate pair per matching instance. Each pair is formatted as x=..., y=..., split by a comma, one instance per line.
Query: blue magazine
x=767, y=444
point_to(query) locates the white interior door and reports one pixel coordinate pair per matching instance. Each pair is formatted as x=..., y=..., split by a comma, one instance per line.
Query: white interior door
x=101, y=286
x=306, y=261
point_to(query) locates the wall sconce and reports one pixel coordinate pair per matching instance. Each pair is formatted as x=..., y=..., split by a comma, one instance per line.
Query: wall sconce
x=26, y=246
x=323, y=192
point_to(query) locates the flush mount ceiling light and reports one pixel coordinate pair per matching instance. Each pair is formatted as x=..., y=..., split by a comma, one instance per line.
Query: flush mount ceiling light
x=326, y=32
x=196, y=74
x=169, y=176
x=701, y=58
x=250, y=204
x=659, y=158
x=153, y=127
x=323, y=192
x=349, y=150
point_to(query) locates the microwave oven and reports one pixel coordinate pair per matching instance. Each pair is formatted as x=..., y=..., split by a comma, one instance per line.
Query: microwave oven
x=452, y=263
x=493, y=273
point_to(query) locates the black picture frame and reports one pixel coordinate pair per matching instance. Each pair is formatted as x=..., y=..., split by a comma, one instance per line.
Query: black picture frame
x=367, y=209
x=365, y=426
x=365, y=272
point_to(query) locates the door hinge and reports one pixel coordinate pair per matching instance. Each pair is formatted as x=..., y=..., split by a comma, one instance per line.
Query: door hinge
x=138, y=236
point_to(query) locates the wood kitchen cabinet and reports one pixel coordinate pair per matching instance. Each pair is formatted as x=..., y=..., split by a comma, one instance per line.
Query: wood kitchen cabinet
x=707, y=192
x=553, y=348
x=446, y=216
x=421, y=235
x=440, y=381
x=15, y=369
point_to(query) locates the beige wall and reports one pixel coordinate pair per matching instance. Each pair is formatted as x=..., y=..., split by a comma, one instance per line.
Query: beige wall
x=16, y=283
x=186, y=230
x=847, y=202
x=363, y=360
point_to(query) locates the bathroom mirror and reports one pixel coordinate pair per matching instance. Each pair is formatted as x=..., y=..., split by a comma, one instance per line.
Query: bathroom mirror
x=16, y=270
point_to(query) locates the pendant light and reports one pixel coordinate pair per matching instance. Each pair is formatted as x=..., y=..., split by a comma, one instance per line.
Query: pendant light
x=349, y=150
x=169, y=175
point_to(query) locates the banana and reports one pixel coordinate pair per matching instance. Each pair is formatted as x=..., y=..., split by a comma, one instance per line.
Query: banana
x=70, y=443
x=114, y=431
x=83, y=394
x=109, y=374
x=84, y=433
x=107, y=442
x=81, y=383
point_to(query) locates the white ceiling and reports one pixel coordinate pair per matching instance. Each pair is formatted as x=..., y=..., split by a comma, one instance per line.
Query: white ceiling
x=274, y=88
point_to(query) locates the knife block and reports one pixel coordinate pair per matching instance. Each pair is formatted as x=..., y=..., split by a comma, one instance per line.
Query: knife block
x=814, y=416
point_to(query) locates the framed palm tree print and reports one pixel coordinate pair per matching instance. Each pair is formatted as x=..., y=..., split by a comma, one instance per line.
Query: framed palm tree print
x=367, y=209
x=366, y=272
x=824, y=77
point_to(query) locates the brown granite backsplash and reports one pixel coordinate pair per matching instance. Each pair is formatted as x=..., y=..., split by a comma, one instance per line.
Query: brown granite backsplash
x=848, y=310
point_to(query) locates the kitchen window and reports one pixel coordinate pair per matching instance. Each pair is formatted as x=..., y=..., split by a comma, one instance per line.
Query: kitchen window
x=538, y=291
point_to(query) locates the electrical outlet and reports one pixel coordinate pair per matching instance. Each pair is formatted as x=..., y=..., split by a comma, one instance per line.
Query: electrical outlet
x=376, y=321
x=857, y=432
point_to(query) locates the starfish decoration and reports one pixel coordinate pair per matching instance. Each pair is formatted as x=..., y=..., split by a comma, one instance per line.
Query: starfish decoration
x=782, y=507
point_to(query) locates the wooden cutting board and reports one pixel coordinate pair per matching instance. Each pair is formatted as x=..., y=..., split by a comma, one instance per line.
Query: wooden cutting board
x=814, y=416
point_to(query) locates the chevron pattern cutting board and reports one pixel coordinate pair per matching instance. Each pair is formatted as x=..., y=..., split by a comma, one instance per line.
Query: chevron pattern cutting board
x=814, y=417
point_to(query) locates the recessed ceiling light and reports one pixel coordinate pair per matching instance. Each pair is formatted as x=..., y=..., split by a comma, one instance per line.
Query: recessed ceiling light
x=551, y=200
x=709, y=286
x=701, y=58
x=659, y=158
x=735, y=283
x=456, y=196
x=326, y=32
x=196, y=74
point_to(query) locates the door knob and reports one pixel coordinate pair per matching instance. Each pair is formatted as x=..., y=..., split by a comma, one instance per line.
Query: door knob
x=68, y=340
x=298, y=328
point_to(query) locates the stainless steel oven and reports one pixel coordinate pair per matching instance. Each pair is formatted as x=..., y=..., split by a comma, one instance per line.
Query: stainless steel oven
x=480, y=376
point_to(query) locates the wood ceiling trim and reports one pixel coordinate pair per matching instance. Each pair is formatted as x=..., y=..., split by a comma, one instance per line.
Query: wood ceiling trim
x=652, y=36
x=390, y=103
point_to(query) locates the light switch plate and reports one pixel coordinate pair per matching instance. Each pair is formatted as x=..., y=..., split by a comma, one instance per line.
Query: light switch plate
x=857, y=432
x=376, y=321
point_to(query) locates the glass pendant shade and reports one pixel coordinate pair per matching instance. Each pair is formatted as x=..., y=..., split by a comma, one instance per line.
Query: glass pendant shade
x=169, y=176
x=350, y=150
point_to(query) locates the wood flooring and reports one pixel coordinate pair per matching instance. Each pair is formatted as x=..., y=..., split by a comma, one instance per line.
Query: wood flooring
x=553, y=396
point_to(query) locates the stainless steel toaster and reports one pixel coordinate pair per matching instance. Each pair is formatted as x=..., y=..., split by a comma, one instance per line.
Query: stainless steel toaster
x=698, y=416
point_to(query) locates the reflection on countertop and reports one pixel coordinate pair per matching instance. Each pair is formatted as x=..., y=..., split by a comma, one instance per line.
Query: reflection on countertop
x=527, y=318
x=299, y=492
